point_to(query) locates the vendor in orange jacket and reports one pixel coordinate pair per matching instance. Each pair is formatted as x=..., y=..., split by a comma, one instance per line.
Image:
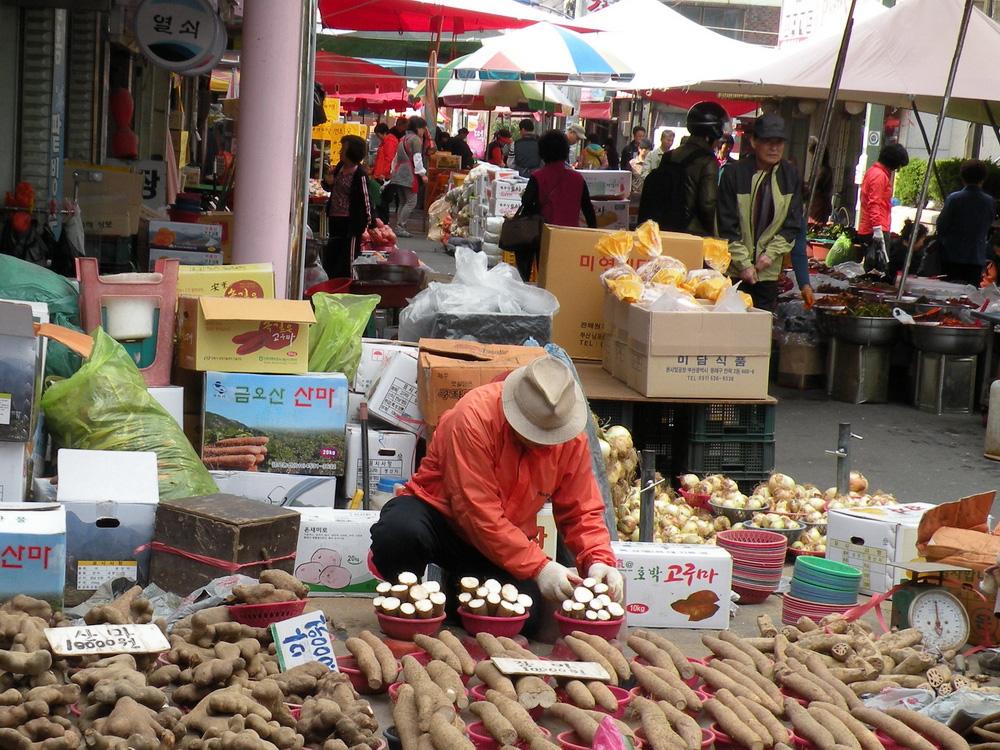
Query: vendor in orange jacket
x=496, y=458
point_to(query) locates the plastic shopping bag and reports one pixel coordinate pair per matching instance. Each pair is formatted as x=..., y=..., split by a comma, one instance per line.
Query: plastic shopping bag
x=106, y=406
x=335, y=340
x=609, y=737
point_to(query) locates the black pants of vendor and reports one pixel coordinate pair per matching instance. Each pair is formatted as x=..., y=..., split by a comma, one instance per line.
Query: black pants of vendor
x=763, y=293
x=526, y=260
x=410, y=534
x=341, y=248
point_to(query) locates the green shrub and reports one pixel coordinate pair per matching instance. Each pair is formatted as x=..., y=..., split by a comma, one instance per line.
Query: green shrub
x=909, y=180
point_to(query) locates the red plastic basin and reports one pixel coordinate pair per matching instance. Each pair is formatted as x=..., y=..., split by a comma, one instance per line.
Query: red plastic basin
x=606, y=630
x=707, y=738
x=724, y=742
x=484, y=741
x=263, y=615
x=569, y=741
x=890, y=744
x=404, y=629
x=496, y=626
x=623, y=696
x=349, y=666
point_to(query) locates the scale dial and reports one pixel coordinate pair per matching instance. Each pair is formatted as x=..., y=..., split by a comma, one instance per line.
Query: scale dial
x=941, y=619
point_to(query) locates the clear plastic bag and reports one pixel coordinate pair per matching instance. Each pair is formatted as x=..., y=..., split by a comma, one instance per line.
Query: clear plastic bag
x=663, y=270
x=674, y=299
x=335, y=340
x=105, y=406
x=731, y=299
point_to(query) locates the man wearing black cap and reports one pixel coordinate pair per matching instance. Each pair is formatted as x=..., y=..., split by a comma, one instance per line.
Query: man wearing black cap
x=760, y=211
x=458, y=145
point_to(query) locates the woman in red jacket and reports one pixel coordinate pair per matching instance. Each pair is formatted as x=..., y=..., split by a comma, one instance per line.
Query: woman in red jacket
x=386, y=152
x=876, y=193
x=556, y=192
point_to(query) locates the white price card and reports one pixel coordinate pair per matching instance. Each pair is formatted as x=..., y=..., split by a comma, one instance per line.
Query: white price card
x=87, y=640
x=580, y=670
x=302, y=639
x=91, y=574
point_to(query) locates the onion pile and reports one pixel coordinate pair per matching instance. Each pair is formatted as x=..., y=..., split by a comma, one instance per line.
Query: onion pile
x=675, y=522
x=776, y=522
x=721, y=490
x=811, y=541
x=858, y=497
x=621, y=462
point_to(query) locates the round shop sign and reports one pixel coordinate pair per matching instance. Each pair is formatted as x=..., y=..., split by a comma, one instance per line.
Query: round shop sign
x=179, y=35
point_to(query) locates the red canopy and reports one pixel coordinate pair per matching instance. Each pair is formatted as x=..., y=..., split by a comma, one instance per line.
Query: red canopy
x=686, y=99
x=397, y=100
x=446, y=16
x=348, y=75
x=595, y=110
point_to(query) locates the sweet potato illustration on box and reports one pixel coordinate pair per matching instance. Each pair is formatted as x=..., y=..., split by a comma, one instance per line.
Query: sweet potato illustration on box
x=698, y=606
x=324, y=568
x=268, y=335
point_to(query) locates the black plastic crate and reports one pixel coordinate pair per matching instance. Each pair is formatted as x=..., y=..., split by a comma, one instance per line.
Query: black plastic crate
x=747, y=420
x=730, y=456
x=661, y=428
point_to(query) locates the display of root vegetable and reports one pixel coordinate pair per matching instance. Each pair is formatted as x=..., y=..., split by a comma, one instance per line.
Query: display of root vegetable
x=492, y=598
x=409, y=598
x=591, y=601
x=237, y=454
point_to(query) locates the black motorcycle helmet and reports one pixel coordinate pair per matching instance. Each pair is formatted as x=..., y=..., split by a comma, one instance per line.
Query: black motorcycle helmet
x=707, y=120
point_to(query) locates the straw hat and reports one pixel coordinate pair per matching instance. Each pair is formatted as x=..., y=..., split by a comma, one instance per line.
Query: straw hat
x=543, y=402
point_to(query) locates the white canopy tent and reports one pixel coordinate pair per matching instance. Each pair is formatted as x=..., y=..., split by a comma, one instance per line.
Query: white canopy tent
x=899, y=58
x=666, y=49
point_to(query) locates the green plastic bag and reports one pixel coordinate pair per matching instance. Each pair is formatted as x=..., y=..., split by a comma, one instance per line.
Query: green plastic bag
x=841, y=252
x=335, y=340
x=105, y=406
x=20, y=280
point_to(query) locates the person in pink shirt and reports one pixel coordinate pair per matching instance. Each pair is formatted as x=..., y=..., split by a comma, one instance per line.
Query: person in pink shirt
x=876, y=192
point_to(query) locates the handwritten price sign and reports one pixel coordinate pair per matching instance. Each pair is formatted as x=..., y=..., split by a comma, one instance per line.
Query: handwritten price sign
x=580, y=670
x=107, y=639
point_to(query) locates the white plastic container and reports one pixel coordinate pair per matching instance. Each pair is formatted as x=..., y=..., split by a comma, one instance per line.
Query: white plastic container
x=383, y=492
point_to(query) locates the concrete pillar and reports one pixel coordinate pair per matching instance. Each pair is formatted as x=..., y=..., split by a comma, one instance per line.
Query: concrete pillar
x=270, y=63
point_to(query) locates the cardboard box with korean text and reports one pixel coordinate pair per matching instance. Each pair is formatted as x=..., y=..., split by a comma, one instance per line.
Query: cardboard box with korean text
x=611, y=214
x=110, y=499
x=244, y=335
x=182, y=235
x=248, y=280
x=390, y=454
x=375, y=353
x=225, y=219
x=189, y=258
x=504, y=206
x=33, y=551
x=284, y=424
x=393, y=397
x=675, y=585
x=450, y=369
x=801, y=365
x=110, y=198
x=332, y=552
x=288, y=490
x=508, y=189
x=606, y=183
x=698, y=354
x=872, y=538
x=571, y=269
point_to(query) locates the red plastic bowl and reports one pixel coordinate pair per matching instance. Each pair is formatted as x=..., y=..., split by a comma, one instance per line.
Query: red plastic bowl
x=496, y=626
x=624, y=698
x=478, y=693
x=707, y=738
x=349, y=666
x=606, y=630
x=794, y=696
x=484, y=741
x=724, y=742
x=890, y=744
x=424, y=658
x=404, y=629
x=295, y=709
x=262, y=615
x=754, y=539
x=569, y=741
x=751, y=596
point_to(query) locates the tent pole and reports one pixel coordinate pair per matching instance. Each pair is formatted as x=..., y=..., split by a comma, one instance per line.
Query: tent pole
x=831, y=103
x=543, y=106
x=993, y=120
x=945, y=101
x=927, y=143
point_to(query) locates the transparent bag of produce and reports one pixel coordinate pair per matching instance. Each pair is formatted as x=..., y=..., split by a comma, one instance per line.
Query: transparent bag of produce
x=105, y=406
x=841, y=252
x=675, y=299
x=20, y=280
x=335, y=340
x=731, y=299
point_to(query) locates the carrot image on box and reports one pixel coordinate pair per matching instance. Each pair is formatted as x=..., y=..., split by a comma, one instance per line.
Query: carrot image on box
x=284, y=424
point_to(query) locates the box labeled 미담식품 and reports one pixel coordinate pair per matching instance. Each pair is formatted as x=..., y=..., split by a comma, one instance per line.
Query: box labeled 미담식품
x=244, y=335
x=694, y=354
x=375, y=354
x=255, y=280
x=288, y=490
x=331, y=557
x=110, y=499
x=611, y=214
x=390, y=454
x=33, y=551
x=675, y=585
x=450, y=369
x=870, y=539
x=570, y=267
x=393, y=397
x=284, y=424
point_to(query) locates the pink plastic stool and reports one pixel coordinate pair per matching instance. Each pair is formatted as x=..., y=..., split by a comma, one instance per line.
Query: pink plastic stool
x=160, y=287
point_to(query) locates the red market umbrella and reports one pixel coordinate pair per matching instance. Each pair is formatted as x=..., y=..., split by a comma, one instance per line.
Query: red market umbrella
x=735, y=106
x=375, y=102
x=341, y=75
x=436, y=16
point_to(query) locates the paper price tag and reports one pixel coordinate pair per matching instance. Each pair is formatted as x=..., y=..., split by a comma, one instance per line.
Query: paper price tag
x=107, y=639
x=302, y=639
x=580, y=670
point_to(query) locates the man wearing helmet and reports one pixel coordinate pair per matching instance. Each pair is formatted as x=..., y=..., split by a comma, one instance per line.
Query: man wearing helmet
x=681, y=194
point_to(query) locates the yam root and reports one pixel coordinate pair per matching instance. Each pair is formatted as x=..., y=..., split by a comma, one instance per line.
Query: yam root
x=683, y=666
x=758, y=660
x=650, y=652
x=935, y=731
x=865, y=737
x=494, y=722
x=586, y=652
x=534, y=692
x=490, y=676
x=731, y=724
x=614, y=657
x=892, y=727
x=368, y=663
x=774, y=727
x=842, y=734
x=603, y=696
x=438, y=650
x=807, y=727
x=517, y=715
x=660, y=735
x=731, y=702
x=683, y=724
x=467, y=663
x=446, y=737
x=449, y=681
x=580, y=695
x=404, y=716
x=725, y=650
x=386, y=660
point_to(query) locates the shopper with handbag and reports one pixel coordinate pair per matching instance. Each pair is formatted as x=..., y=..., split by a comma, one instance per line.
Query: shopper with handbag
x=555, y=194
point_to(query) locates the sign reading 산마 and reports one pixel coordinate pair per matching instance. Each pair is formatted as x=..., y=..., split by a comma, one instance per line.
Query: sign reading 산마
x=89, y=640
x=580, y=670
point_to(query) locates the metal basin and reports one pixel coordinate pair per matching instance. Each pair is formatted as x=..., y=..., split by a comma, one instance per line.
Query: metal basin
x=826, y=322
x=950, y=340
x=866, y=331
x=387, y=273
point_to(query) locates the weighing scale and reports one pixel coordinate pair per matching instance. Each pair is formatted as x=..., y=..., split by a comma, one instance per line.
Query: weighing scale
x=933, y=605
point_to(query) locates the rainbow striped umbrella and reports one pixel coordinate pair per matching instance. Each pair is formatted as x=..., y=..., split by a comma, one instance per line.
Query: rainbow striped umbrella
x=543, y=52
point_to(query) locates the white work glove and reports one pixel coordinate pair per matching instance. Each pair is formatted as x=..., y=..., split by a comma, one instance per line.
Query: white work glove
x=610, y=576
x=556, y=582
